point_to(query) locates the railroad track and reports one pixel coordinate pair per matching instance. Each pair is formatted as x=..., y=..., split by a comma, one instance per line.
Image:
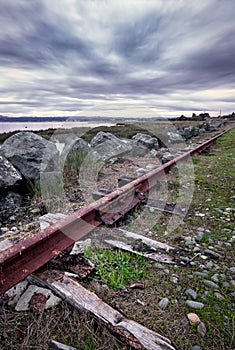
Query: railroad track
x=27, y=256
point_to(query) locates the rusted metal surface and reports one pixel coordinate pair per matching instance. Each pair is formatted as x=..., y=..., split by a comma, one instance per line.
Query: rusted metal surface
x=25, y=257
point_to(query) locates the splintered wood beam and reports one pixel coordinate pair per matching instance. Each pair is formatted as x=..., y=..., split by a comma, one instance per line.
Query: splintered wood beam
x=160, y=257
x=148, y=241
x=131, y=332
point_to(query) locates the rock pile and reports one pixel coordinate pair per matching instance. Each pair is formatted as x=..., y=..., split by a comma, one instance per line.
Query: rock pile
x=22, y=157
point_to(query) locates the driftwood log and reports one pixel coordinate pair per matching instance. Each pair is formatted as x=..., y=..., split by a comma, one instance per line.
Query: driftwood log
x=131, y=332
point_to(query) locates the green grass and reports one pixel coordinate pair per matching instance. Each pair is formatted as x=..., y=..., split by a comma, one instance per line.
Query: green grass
x=74, y=161
x=116, y=269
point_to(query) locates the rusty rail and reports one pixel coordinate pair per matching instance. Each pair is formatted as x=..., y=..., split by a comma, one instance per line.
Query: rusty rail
x=25, y=257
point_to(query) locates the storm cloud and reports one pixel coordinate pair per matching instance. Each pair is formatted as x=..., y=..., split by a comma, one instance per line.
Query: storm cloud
x=133, y=58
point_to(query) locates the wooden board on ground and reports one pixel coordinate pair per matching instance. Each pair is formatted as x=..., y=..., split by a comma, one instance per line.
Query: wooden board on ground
x=131, y=332
x=160, y=257
x=148, y=241
x=164, y=207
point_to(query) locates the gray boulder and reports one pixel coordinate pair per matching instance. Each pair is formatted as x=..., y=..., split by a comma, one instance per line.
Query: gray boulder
x=137, y=149
x=102, y=136
x=187, y=132
x=77, y=145
x=9, y=176
x=166, y=157
x=106, y=146
x=174, y=137
x=30, y=153
x=146, y=140
x=214, y=124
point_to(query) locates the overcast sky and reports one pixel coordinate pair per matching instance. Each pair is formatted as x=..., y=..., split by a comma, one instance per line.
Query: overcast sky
x=117, y=57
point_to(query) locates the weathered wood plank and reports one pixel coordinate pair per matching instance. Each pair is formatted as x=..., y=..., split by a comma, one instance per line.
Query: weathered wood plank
x=134, y=334
x=148, y=241
x=55, y=345
x=164, y=207
x=164, y=258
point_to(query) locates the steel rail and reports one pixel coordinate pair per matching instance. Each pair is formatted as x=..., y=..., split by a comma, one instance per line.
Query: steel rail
x=26, y=256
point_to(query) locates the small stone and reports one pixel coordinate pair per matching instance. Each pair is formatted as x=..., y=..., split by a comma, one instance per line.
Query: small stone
x=211, y=284
x=232, y=269
x=200, y=274
x=212, y=254
x=191, y=293
x=204, y=257
x=194, y=304
x=163, y=303
x=199, y=237
x=209, y=265
x=184, y=259
x=201, y=329
x=196, y=347
x=15, y=292
x=174, y=279
x=141, y=172
x=196, y=249
x=219, y=296
x=189, y=241
x=80, y=246
x=24, y=301
x=215, y=277
x=35, y=211
x=226, y=284
x=158, y=266
x=193, y=318
x=4, y=229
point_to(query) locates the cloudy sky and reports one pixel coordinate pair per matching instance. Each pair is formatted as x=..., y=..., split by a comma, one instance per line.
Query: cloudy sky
x=117, y=57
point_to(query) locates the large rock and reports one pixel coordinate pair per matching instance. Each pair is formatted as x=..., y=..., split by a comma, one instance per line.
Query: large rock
x=214, y=124
x=174, y=137
x=106, y=146
x=102, y=136
x=9, y=176
x=77, y=145
x=146, y=140
x=138, y=149
x=166, y=157
x=30, y=153
x=188, y=132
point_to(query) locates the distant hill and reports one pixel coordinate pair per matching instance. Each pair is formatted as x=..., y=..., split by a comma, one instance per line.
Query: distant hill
x=76, y=118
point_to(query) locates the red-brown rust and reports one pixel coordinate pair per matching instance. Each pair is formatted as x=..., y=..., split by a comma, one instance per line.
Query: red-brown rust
x=20, y=260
